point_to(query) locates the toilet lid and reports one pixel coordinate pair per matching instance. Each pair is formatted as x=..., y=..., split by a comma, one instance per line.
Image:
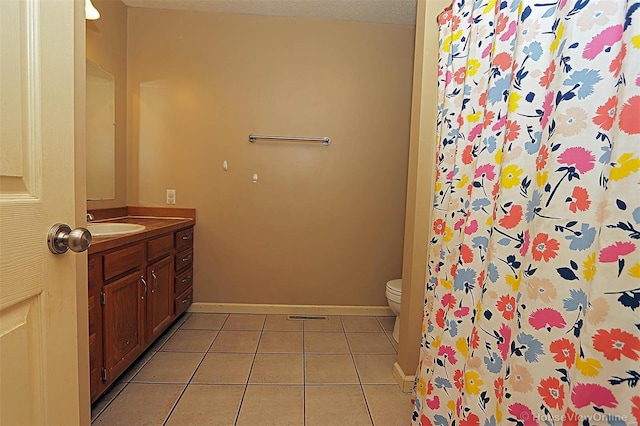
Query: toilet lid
x=395, y=287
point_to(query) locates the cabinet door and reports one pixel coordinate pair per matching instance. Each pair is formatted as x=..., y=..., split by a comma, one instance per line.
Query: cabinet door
x=123, y=314
x=160, y=297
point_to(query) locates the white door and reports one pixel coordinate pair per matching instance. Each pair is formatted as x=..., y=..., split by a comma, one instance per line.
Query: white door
x=39, y=374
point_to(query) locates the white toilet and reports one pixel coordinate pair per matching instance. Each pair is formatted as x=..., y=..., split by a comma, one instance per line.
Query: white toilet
x=394, y=293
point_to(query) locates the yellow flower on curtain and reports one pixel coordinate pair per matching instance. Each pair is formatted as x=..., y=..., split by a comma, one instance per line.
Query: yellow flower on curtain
x=590, y=267
x=556, y=42
x=422, y=387
x=489, y=7
x=435, y=343
x=452, y=38
x=635, y=271
x=463, y=181
x=473, y=118
x=514, y=97
x=635, y=41
x=462, y=346
x=451, y=405
x=448, y=234
x=541, y=178
x=511, y=176
x=513, y=281
x=472, y=67
x=448, y=284
x=472, y=382
x=624, y=166
x=589, y=367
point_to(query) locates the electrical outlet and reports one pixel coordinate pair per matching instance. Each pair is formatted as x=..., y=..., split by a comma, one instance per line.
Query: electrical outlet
x=171, y=196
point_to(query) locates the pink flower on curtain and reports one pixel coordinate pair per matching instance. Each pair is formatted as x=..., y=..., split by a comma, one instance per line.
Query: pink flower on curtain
x=526, y=239
x=613, y=252
x=547, y=318
x=582, y=159
x=449, y=301
x=547, y=107
x=448, y=353
x=605, y=39
x=471, y=227
x=505, y=340
x=584, y=394
x=523, y=414
x=486, y=170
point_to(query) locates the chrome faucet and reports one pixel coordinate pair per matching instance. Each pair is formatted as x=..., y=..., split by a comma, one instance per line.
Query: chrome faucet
x=89, y=217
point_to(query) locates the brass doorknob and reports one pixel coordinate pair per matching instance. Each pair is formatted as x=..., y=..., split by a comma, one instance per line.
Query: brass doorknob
x=61, y=238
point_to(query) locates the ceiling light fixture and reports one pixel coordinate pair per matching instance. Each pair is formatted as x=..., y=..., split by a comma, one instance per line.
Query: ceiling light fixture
x=90, y=12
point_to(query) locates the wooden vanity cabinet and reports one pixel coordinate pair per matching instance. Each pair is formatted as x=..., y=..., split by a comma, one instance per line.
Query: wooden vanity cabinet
x=133, y=299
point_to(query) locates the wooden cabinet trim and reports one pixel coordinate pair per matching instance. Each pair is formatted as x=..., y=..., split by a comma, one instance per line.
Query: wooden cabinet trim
x=123, y=260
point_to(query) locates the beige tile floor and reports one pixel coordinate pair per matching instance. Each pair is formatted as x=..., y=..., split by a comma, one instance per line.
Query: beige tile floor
x=261, y=370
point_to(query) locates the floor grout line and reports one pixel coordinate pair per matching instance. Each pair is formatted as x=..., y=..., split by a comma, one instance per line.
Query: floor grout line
x=304, y=331
x=204, y=355
x=246, y=385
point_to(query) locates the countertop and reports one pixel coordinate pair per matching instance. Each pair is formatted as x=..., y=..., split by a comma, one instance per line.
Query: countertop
x=154, y=226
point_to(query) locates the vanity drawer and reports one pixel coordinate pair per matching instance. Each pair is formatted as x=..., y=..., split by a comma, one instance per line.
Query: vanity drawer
x=183, y=281
x=123, y=260
x=183, y=301
x=159, y=247
x=184, y=239
x=184, y=260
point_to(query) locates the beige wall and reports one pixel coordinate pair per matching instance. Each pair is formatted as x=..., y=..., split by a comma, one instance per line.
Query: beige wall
x=107, y=47
x=323, y=225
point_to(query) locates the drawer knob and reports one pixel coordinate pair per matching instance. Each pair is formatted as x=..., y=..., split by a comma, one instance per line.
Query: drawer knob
x=186, y=280
x=186, y=237
x=186, y=299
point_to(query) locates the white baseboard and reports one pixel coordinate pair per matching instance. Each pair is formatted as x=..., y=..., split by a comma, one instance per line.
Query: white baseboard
x=249, y=308
x=405, y=382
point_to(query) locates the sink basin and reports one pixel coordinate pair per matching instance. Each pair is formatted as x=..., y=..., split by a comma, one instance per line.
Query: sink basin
x=108, y=229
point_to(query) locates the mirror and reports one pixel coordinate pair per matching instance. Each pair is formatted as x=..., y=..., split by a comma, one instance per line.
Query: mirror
x=100, y=133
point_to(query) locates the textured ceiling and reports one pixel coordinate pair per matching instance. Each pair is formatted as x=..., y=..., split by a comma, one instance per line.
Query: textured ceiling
x=384, y=11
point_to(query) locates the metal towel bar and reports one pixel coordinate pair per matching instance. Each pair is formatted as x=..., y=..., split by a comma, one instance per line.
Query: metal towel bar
x=325, y=141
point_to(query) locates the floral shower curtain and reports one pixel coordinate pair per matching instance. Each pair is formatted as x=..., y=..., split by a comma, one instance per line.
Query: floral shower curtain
x=532, y=312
